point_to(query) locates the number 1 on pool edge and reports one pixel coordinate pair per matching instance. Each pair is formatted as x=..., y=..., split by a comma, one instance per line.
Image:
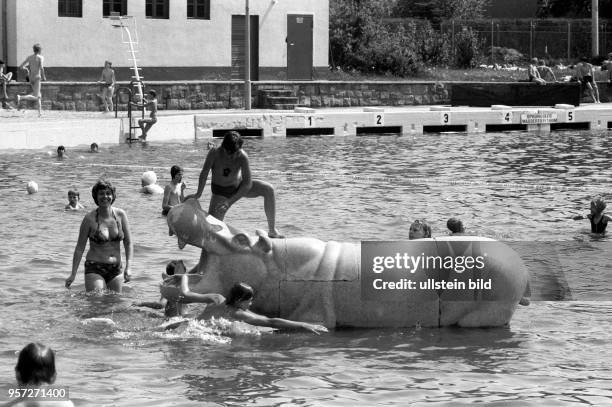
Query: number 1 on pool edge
x=309, y=121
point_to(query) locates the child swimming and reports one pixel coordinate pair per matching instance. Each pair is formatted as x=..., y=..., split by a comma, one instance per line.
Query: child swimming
x=597, y=217
x=74, y=203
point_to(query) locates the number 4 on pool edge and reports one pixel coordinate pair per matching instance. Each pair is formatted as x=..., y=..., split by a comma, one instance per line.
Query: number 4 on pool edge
x=507, y=118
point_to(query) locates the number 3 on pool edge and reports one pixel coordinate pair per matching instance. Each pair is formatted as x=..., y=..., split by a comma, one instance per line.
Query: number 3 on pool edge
x=445, y=118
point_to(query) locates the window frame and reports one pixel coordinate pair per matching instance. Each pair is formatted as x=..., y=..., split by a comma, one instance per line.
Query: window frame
x=154, y=4
x=194, y=5
x=123, y=6
x=67, y=6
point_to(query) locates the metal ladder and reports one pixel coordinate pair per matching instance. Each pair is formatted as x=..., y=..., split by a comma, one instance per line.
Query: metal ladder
x=125, y=23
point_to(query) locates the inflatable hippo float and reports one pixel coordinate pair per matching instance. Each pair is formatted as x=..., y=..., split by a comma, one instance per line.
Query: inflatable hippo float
x=309, y=280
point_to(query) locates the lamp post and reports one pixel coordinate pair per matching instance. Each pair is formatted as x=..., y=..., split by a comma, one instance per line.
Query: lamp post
x=247, y=63
x=595, y=27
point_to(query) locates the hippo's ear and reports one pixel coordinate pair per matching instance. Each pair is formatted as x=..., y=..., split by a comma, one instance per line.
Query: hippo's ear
x=264, y=243
x=241, y=240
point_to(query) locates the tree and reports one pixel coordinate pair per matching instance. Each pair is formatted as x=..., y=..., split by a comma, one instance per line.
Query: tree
x=438, y=10
x=572, y=8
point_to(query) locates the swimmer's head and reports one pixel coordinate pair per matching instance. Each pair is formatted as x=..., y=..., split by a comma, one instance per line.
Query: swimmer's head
x=175, y=267
x=32, y=187
x=534, y=60
x=148, y=178
x=37, y=48
x=175, y=170
x=94, y=147
x=35, y=365
x=108, y=64
x=103, y=185
x=73, y=194
x=153, y=94
x=60, y=151
x=419, y=230
x=455, y=225
x=240, y=292
x=598, y=204
x=232, y=142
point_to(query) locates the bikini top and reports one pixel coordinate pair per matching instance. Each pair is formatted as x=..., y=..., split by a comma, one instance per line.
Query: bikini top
x=99, y=237
x=600, y=226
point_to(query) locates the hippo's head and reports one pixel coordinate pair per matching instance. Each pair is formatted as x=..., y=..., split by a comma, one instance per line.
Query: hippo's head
x=193, y=225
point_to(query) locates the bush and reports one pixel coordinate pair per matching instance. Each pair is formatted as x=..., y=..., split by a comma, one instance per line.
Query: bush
x=507, y=56
x=468, y=48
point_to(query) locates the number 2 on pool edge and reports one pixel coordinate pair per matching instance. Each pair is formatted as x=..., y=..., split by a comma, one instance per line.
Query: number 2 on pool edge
x=380, y=120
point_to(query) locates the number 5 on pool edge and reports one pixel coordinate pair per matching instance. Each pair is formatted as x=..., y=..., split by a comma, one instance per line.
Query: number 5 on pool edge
x=570, y=116
x=379, y=119
x=445, y=118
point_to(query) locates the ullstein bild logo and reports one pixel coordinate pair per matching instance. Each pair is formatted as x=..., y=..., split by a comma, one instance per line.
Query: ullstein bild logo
x=426, y=270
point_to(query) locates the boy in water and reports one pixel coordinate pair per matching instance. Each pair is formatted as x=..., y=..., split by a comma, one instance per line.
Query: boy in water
x=419, y=229
x=34, y=66
x=455, y=226
x=146, y=124
x=73, y=201
x=174, y=192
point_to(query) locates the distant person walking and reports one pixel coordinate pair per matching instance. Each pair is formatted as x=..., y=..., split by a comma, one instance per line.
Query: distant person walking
x=534, y=75
x=107, y=79
x=34, y=66
x=546, y=72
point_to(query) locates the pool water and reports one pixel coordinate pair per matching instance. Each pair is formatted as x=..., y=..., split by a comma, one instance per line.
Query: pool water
x=518, y=187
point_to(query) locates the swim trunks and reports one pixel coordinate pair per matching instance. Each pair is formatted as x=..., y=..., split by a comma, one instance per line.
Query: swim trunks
x=587, y=79
x=600, y=226
x=108, y=271
x=226, y=191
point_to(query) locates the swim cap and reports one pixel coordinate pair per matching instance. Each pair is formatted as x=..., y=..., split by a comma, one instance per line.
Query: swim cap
x=149, y=178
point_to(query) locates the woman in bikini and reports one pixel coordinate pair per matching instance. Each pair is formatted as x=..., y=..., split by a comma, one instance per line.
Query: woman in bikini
x=105, y=227
x=598, y=218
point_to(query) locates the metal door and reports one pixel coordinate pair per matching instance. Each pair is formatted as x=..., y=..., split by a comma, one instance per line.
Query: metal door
x=239, y=47
x=299, y=46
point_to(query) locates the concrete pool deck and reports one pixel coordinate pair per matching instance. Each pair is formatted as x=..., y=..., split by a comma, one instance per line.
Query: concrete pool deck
x=25, y=130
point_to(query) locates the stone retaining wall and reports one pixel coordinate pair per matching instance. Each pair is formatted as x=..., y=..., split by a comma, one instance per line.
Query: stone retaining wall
x=197, y=95
x=85, y=96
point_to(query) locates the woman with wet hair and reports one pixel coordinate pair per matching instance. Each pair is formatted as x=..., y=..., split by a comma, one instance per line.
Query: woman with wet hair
x=105, y=228
x=419, y=230
x=36, y=367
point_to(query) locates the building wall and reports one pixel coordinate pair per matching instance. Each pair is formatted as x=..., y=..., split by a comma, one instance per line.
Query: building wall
x=85, y=43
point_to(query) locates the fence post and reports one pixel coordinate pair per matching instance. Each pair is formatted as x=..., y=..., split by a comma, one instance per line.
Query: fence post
x=569, y=40
x=453, y=39
x=492, y=38
x=530, y=39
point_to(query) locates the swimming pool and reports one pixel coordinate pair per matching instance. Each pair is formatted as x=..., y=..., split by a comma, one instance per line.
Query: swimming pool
x=518, y=187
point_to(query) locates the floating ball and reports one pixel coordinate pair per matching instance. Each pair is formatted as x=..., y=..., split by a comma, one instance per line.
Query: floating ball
x=32, y=187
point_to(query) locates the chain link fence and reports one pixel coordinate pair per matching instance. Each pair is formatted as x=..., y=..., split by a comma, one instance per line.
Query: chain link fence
x=560, y=39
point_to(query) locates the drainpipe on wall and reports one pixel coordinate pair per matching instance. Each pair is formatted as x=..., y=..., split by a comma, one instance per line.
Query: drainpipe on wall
x=4, y=33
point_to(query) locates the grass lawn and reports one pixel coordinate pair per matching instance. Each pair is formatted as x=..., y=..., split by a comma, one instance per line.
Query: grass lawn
x=453, y=74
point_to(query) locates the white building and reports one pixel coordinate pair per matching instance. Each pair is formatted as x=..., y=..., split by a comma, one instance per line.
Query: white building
x=177, y=39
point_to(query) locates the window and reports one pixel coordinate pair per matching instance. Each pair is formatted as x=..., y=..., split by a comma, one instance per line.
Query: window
x=114, y=6
x=70, y=8
x=198, y=9
x=157, y=8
